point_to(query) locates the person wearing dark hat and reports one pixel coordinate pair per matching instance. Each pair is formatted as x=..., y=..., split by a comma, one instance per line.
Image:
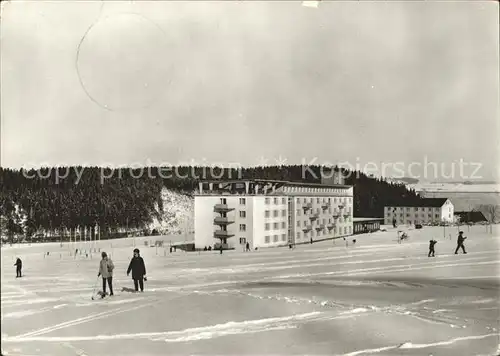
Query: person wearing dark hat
x=138, y=269
x=460, y=242
x=106, y=268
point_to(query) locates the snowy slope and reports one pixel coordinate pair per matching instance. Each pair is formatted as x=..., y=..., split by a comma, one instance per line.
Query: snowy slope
x=377, y=297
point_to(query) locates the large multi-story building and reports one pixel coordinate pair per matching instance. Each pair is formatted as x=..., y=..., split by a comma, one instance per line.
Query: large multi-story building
x=268, y=213
x=426, y=211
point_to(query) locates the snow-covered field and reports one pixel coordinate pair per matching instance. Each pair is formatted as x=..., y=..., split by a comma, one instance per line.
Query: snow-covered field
x=376, y=297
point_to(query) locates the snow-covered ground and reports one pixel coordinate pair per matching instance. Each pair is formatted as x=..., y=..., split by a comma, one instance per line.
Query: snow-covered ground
x=376, y=297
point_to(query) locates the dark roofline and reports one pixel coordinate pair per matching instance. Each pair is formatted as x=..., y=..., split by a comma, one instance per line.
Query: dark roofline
x=425, y=202
x=283, y=182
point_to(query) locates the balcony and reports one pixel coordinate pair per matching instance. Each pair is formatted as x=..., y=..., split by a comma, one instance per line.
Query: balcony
x=336, y=215
x=320, y=227
x=330, y=226
x=223, y=221
x=222, y=233
x=307, y=206
x=341, y=206
x=325, y=206
x=218, y=208
x=307, y=228
x=314, y=216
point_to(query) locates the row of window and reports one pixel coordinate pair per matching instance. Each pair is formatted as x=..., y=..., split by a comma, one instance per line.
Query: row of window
x=322, y=221
x=276, y=226
x=416, y=215
x=416, y=221
x=330, y=211
x=275, y=238
x=275, y=201
x=315, y=233
x=276, y=213
x=436, y=216
x=414, y=209
x=340, y=200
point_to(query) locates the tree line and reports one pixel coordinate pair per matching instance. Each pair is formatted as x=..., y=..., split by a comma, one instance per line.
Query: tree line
x=69, y=198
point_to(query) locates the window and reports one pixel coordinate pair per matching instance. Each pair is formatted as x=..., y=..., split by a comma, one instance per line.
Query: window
x=268, y=214
x=242, y=201
x=283, y=200
x=275, y=201
x=298, y=235
x=436, y=216
x=275, y=238
x=275, y=213
x=298, y=223
x=283, y=212
x=243, y=214
x=268, y=226
x=223, y=201
x=276, y=226
x=243, y=240
x=317, y=200
x=283, y=237
x=305, y=201
x=283, y=225
x=298, y=212
x=243, y=227
x=267, y=239
x=268, y=200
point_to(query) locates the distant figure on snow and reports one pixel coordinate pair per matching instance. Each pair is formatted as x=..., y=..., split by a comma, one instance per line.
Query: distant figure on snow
x=247, y=247
x=431, y=248
x=460, y=242
x=19, y=267
x=106, y=268
x=138, y=269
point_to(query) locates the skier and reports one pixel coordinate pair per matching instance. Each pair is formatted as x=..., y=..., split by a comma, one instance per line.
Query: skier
x=138, y=269
x=106, y=268
x=460, y=242
x=431, y=247
x=19, y=266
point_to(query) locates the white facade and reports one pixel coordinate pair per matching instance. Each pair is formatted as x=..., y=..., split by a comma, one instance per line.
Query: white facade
x=292, y=213
x=426, y=213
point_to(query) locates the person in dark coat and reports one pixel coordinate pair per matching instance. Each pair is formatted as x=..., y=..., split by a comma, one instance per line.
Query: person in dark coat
x=431, y=248
x=138, y=269
x=19, y=267
x=460, y=242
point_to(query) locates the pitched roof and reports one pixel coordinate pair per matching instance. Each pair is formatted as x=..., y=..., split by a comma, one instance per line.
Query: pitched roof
x=426, y=202
x=471, y=216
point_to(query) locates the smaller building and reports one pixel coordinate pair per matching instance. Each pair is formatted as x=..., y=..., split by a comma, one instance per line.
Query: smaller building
x=424, y=211
x=365, y=225
x=470, y=217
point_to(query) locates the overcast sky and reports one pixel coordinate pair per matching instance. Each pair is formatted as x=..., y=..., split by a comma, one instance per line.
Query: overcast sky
x=156, y=82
